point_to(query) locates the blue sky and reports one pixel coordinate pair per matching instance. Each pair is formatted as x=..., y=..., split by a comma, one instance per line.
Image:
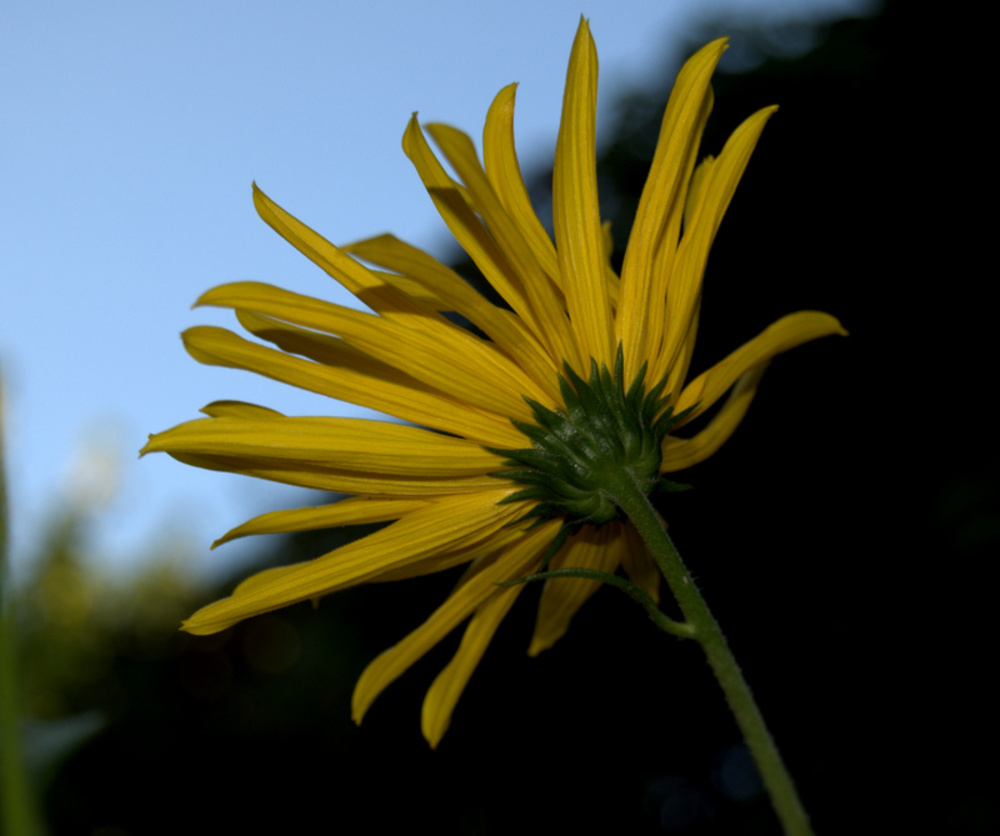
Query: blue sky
x=129, y=135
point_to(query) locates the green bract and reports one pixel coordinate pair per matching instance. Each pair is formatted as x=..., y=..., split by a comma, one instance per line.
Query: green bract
x=604, y=434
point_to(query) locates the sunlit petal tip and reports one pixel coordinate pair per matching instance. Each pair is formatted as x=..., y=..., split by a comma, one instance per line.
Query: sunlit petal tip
x=784, y=334
x=412, y=126
x=576, y=214
x=239, y=409
x=203, y=624
x=260, y=199
x=504, y=100
x=710, y=52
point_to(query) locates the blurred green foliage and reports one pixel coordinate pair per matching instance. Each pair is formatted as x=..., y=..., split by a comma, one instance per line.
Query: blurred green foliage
x=76, y=619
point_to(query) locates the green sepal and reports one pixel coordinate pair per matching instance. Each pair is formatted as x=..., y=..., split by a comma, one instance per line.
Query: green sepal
x=602, y=433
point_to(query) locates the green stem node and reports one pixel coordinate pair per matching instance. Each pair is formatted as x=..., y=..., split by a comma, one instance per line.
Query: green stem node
x=636, y=593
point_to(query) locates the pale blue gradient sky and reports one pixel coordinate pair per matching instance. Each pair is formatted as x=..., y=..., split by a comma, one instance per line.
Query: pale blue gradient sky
x=129, y=135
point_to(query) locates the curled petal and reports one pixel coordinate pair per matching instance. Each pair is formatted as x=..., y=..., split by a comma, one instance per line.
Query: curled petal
x=786, y=333
x=681, y=453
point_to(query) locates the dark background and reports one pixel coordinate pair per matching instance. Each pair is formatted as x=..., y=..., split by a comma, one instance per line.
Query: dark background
x=843, y=538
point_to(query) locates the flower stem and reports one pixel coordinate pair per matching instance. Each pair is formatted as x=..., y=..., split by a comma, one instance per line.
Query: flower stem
x=636, y=505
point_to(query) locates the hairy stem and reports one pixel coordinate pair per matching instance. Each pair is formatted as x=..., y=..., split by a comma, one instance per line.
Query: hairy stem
x=778, y=782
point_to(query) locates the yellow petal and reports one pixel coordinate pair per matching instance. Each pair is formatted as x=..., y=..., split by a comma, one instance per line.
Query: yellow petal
x=468, y=230
x=610, y=276
x=576, y=214
x=239, y=409
x=503, y=327
x=450, y=558
x=346, y=374
x=600, y=549
x=461, y=521
x=540, y=293
x=639, y=565
x=715, y=193
x=682, y=361
x=466, y=551
x=513, y=562
x=644, y=289
x=504, y=172
x=370, y=447
x=681, y=453
x=415, y=290
x=354, y=510
x=443, y=695
x=786, y=333
x=447, y=358
x=307, y=475
x=359, y=280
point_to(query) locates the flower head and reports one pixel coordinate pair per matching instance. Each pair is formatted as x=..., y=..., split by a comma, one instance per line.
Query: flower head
x=508, y=432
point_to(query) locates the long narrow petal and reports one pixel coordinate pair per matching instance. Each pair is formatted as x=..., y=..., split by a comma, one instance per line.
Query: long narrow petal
x=356, y=482
x=478, y=587
x=465, y=553
x=600, y=549
x=367, y=286
x=682, y=361
x=661, y=207
x=370, y=447
x=463, y=519
x=503, y=327
x=449, y=359
x=539, y=291
x=468, y=230
x=445, y=284
x=715, y=193
x=788, y=332
x=504, y=172
x=444, y=693
x=345, y=374
x=576, y=214
x=354, y=510
x=681, y=453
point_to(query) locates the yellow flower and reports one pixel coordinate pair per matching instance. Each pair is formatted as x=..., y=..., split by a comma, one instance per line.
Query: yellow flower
x=565, y=315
